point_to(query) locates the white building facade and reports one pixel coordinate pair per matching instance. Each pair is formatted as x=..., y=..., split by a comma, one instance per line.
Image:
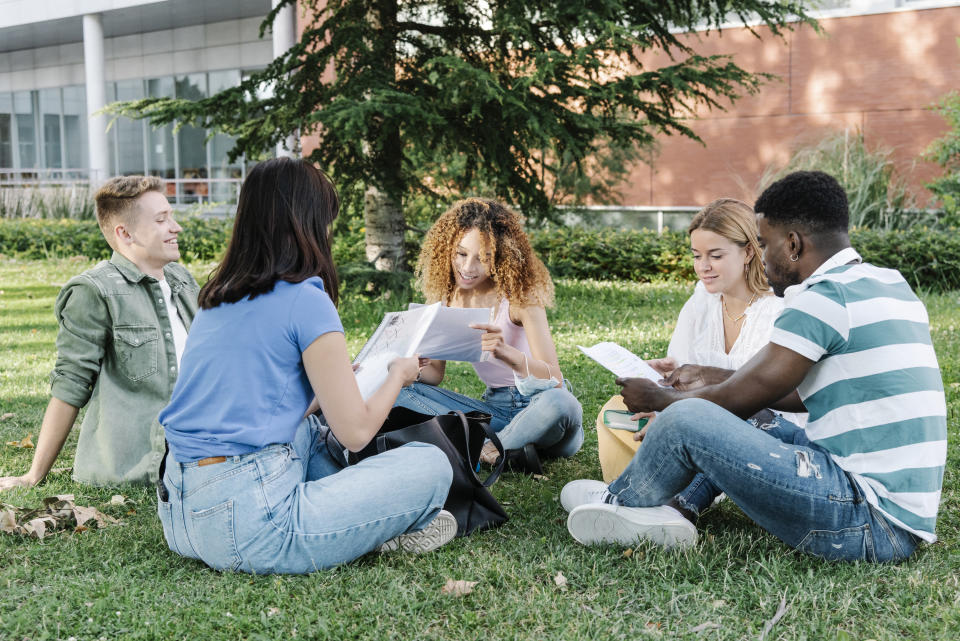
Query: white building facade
x=63, y=60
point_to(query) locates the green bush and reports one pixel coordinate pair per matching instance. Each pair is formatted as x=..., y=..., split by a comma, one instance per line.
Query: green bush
x=878, y=197
x=201, y=238
x=641, y=256
x=928, y=258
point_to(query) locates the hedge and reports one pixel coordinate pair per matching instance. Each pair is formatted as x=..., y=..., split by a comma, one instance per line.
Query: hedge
x=929, y=259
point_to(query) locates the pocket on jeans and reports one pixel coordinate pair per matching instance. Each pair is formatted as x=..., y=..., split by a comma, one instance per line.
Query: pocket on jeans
x=165, y=512
x=212, y=534
x=849, y=544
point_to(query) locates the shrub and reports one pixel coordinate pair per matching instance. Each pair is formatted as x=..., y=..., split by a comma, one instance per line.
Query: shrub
x=928, y=258
x=878, y=198
x=945, y=152
x=577, y=252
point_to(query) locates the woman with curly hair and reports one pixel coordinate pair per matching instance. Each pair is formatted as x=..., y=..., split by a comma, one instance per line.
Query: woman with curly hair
x=477, y=255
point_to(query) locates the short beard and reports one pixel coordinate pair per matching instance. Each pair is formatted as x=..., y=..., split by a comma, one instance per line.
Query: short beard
x=780, y=280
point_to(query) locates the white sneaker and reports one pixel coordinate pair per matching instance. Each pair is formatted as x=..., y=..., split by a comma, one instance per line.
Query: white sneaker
x=602, y=523
x=577, y=493
x=439, y=531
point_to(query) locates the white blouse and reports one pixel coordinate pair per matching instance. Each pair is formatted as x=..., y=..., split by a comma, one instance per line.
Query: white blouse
x=698, y=337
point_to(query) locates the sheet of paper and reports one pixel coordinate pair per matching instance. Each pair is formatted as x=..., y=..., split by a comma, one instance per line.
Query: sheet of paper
x=399, y=334
x=450, y=337
x=621, y=361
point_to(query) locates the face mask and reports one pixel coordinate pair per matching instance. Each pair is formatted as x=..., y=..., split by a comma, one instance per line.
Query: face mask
x=530, y=384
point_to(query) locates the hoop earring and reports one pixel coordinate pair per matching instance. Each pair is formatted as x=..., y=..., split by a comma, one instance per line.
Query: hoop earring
x=795, y=258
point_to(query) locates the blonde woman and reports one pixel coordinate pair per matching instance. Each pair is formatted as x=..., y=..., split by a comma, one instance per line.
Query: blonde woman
x=477, y=255
x=723, y=324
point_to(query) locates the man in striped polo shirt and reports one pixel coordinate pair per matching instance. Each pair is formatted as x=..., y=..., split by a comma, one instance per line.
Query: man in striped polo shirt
x=852, y=347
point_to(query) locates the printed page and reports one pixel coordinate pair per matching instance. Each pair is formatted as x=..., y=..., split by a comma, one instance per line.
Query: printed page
x=399, y=334
x=450, y=337
x=621, y=361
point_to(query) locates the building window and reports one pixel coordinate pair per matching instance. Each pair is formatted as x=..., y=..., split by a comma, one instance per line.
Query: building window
x=26, y=129
x=6, y=139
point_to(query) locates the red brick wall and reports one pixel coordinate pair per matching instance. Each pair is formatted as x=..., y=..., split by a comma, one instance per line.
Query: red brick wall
x=877, y=72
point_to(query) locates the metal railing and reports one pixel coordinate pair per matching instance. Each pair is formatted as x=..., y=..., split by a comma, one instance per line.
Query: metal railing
x=630, y=216
x=178, y=190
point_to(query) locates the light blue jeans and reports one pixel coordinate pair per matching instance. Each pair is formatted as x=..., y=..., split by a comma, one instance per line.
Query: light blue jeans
x=290, y=509
x=787, y=485
x=552, y=419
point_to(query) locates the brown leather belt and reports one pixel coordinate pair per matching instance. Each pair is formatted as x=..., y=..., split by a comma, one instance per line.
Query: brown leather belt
x=211, y=460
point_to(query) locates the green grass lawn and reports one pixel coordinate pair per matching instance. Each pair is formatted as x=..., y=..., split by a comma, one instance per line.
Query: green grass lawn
x=122, y=582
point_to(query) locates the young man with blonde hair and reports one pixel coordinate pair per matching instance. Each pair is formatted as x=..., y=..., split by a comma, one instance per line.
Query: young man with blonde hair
x=122, y=328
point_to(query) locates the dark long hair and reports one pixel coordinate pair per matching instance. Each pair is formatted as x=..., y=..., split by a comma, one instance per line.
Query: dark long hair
x=281, y=232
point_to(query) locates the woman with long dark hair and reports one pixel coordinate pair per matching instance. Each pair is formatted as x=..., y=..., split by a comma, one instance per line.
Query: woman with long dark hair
x=250, y=483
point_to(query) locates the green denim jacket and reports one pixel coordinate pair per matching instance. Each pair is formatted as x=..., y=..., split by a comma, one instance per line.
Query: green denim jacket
x=115, y=355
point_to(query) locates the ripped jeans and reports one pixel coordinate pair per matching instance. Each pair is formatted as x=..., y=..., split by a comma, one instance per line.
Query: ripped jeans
x=787, y=485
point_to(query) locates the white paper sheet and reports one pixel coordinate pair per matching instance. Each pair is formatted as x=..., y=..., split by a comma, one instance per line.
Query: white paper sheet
x=621, y=361
x=450, y=337
x=432, y=331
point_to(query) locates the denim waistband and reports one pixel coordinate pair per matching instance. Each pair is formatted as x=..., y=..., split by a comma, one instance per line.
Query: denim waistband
x=238, y=458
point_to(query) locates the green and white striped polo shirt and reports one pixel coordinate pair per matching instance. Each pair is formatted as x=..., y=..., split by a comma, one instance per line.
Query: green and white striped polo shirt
x=875, y=394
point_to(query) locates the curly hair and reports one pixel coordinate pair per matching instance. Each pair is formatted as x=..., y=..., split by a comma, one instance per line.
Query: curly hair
x=735, y=221
x=811, y=200
x=516, y=271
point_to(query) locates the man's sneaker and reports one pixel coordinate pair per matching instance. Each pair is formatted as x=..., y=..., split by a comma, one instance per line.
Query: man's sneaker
x=595, y=523
x=439, y=531
x=577, y=493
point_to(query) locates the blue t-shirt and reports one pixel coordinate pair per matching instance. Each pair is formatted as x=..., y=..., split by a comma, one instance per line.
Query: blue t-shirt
x=242, y=384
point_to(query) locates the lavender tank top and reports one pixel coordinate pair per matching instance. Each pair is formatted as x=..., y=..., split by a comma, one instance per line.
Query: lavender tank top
x=493, y=372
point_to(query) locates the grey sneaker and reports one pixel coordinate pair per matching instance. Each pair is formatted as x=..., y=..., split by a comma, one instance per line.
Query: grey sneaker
x=577, y=493
x=595, y=523
x=439, y=531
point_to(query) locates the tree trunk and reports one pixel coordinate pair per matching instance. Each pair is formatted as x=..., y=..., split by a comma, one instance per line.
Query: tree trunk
x=383, y=199
x=383, y=218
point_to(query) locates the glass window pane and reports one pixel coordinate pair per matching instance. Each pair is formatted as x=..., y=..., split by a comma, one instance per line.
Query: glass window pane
x=129, y=132
x=6, y=137
x=191, y=143
x=49, y=100
x=75, y=126
x=160, y=152
x=26, y=129
x=220, y=144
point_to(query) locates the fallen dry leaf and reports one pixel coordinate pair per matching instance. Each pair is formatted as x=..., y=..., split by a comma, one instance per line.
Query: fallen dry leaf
x=8, y=520
x=561, y=581
x=458, y=588
x=541, y=477
x=628, y=553
x=58, y=513
x=7, y=415
x=272, y=611
x=654, y=625
x=706, y=625
x=117, y=499
x=25, y=443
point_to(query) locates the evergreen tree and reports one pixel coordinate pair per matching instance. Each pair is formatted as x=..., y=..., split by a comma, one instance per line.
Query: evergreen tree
x=508, y=97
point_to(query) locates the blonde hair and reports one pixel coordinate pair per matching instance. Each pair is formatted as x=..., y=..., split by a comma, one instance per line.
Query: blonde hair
x=516, y=271
x=117, y=199
x=735, y=221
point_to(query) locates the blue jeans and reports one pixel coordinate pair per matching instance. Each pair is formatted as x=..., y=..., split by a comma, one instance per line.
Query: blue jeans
x=787, y=485
x=552, y=419
x=289, y=508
